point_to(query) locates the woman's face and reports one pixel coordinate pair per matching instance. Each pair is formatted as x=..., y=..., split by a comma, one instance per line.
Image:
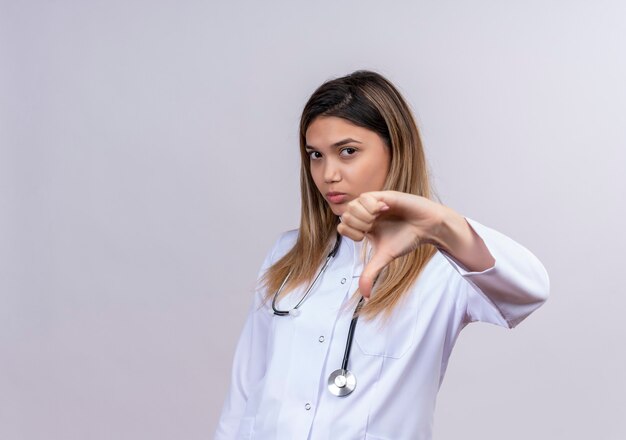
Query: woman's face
x=346, y=159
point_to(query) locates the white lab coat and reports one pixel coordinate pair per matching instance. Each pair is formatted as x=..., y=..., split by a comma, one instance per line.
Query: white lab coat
x=278, y=388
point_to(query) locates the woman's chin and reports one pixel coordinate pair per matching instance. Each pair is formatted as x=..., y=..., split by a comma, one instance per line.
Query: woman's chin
x=338, y=210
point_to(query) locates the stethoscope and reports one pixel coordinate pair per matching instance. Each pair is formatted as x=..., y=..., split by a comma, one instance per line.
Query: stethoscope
x=341, y=382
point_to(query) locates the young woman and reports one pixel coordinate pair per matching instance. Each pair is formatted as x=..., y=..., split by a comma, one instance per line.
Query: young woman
x=356, y=311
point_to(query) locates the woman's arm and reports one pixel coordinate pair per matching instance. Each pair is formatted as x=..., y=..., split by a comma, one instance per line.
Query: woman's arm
x=506, y=277
x=453, y=235
x=506, y=281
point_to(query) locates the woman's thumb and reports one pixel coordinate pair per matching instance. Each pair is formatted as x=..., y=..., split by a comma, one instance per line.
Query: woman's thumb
x=370, y=273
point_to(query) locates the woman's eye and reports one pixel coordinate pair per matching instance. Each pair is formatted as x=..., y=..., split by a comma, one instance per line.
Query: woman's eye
x=316, y=154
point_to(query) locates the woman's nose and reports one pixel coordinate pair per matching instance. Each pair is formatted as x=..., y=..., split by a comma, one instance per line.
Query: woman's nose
x=331, y=172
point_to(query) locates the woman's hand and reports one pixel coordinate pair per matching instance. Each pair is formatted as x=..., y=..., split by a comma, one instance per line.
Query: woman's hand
x=396, y=223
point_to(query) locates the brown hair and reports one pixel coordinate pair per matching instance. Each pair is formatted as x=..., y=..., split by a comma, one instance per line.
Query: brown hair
x=369, y=100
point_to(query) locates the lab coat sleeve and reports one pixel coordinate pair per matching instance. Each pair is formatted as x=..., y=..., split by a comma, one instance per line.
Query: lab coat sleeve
x=510, y=290
x=248, y=366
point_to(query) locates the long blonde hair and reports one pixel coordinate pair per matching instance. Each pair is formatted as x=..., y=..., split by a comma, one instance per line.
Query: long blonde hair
x=369, y=100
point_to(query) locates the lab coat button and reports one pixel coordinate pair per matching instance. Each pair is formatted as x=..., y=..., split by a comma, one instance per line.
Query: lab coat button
x=343, y=281
x=307, y=406
x=321, y=339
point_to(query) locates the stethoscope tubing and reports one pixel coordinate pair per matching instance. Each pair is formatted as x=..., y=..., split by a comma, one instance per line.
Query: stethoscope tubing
x=332, y=254
x=355, y=318
x=341, y=382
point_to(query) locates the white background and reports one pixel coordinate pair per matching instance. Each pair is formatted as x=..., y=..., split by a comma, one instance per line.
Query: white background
x=148, y=160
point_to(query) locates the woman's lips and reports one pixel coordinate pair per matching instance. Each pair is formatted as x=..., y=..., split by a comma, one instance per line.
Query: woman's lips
x=336, y=197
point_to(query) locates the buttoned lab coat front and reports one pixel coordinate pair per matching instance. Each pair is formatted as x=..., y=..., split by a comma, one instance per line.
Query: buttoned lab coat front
x=278, y=388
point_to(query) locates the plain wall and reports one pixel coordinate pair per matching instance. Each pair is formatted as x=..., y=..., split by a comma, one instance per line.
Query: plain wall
x=148, y=159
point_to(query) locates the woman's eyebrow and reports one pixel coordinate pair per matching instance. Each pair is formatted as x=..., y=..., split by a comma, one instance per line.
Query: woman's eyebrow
x=337, y=144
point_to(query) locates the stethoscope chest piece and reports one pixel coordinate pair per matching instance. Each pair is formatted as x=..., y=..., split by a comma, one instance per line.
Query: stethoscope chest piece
x=341, y=382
